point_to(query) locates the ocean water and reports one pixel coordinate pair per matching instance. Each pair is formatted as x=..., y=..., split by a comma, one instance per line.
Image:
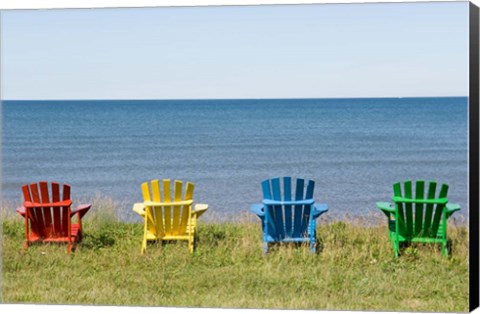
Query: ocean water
x=354, y=149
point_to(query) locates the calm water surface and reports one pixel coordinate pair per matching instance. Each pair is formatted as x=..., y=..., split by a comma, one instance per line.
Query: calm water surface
x=353, y=148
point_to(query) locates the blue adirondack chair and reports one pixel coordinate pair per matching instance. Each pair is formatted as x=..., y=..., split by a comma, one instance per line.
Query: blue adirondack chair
x=288, y=220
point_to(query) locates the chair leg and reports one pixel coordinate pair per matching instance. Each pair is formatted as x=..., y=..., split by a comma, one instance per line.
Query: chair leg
x=395, y=253
x=396, y=248
x=313, y=246
x=24, y=247
x=312, y=238
x=191, y=246
x=144, y=245
x=265, y=248
x=444, y=249
x=73, y=246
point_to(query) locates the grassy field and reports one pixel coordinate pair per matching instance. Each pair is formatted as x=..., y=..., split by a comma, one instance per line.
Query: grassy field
x=353, y=270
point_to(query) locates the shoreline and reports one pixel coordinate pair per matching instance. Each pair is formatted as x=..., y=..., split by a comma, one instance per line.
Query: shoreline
x=105, y=208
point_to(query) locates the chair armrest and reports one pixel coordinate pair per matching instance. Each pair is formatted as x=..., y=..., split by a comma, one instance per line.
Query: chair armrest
x=302, y=202
x=55, y=204
x=386, y=208
x=21, y=211
x=199, y=209
x=451, y=208
x=442, y=200
x=139, y=208
x=319, y=209
x=81, y=209
x=150, y=203
x=257, y=209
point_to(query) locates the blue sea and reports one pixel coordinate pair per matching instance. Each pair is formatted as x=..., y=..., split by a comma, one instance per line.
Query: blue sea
x=354, y=149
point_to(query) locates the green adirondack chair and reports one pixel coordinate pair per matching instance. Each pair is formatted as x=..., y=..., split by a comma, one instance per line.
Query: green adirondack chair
x=420, y=218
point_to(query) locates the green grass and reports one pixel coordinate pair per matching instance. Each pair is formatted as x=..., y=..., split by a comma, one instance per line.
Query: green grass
x=354, y=269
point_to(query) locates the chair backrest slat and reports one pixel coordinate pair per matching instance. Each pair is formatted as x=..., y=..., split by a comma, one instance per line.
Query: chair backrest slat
x=156, y=212
x=37, y=211
x=46, y=210
x=419, y=195
x=276, y=212
x=432, y=188
x=150, y=212
x=32, y=216
x=297, y=221
x=287, y=189
x=66, y=192
x=177, y=197
x=186, y=208
x=397, y=191
x=156, y=195
x=439, y=211
x=167, y=213
x=408, y=207
x=267, y=193
x=65, y=210
x=27, y=195
x=307, y=208
x=266, y=190
x=56, y=213
x=146, y=192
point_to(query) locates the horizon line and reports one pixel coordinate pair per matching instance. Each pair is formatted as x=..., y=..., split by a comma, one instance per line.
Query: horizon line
x=259, y=98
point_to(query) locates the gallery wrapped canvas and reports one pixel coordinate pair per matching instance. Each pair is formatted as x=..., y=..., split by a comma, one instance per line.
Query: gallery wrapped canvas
x=273, y=156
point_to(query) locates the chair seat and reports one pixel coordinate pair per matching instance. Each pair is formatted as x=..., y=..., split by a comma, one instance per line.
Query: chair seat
x=53, y=238
x=171, y=236
x=402, y=238
x=287, y=240
x=153, y=237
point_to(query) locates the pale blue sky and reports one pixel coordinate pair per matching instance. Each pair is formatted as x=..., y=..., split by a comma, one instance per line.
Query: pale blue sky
x=330, y=50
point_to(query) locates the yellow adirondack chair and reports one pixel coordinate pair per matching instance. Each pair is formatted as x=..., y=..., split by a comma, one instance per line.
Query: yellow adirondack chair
x=167, y=219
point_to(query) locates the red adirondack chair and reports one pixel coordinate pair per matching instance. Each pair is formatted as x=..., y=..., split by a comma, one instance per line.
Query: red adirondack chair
x=50, y=219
